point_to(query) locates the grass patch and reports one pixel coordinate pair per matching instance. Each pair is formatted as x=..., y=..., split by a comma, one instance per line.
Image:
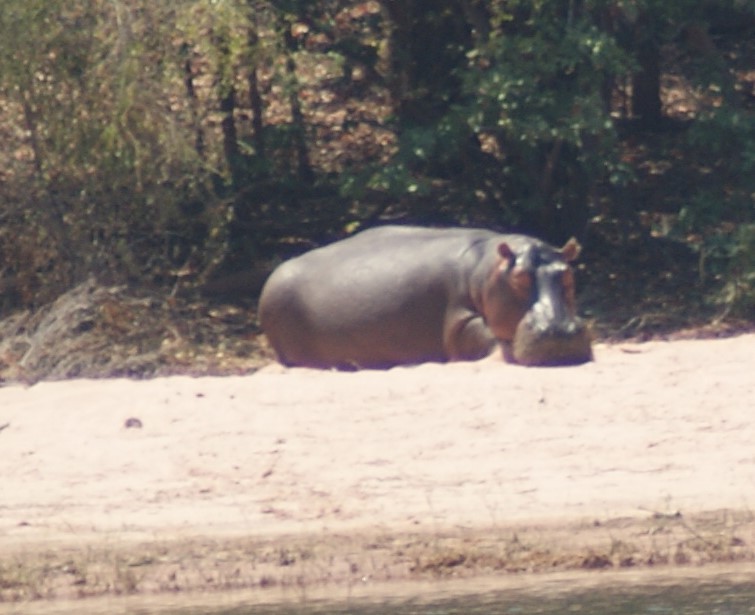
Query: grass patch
x=206, y=564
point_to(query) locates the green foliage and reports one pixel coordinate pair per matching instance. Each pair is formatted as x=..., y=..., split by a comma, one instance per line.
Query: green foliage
x=723, y=143
x=115, y=170
x=543, y=86
x=394, y=179
x=739, y=292
x=141, y=137
x=728, y=255
x=424, y=152
x=537, y=92
x=725, y=133
x=95, y=86
x=527, y=127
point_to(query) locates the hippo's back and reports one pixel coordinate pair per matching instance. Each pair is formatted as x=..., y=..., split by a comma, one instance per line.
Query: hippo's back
x=376, y=299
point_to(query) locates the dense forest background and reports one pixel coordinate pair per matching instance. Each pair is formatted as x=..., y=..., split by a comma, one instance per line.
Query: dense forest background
x=186, y=145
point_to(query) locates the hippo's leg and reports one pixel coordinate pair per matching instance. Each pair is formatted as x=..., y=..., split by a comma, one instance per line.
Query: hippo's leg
x=468, y=339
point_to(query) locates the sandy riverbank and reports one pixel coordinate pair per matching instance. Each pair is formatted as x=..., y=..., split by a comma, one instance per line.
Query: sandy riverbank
x=298, y=476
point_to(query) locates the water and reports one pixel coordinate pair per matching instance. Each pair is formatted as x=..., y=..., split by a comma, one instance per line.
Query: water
x=706, y=599
x=685, y=592
x=739, y=600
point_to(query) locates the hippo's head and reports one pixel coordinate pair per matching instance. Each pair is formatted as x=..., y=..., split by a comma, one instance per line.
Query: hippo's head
x=531, y=307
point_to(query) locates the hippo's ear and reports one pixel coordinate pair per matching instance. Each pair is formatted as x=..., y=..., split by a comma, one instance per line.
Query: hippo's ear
x=571, y=250
x=506, y=253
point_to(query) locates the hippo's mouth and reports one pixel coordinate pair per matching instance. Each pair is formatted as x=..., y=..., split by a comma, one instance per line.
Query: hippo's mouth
x=534, y=345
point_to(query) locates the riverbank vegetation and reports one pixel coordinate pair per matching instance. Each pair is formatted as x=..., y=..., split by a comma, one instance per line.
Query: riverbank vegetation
x=188, y=146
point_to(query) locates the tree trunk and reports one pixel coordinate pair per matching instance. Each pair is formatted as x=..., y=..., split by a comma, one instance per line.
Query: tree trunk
x=230, y=136
x=255, y=99
x=227, y=107
x=427, y=41
x=304, y=167
x=191, y=94
x=646, y=83
x=255, y=102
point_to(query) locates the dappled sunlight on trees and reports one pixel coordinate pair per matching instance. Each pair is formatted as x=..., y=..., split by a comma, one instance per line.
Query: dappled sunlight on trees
x=161, y=143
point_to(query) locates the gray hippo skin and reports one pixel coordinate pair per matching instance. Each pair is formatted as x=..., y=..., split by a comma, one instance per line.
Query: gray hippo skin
x=403, y=295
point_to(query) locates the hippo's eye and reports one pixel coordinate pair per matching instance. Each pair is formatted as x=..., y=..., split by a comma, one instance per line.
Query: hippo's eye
x=522, y=283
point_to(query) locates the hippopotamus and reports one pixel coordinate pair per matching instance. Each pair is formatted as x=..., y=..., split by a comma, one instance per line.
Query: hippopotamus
x=401, y=295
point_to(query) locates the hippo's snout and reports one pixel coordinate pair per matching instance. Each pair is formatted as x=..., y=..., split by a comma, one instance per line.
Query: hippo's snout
x=544, y=342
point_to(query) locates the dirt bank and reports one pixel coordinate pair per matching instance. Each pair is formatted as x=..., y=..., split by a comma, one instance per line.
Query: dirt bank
x=295, y=476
